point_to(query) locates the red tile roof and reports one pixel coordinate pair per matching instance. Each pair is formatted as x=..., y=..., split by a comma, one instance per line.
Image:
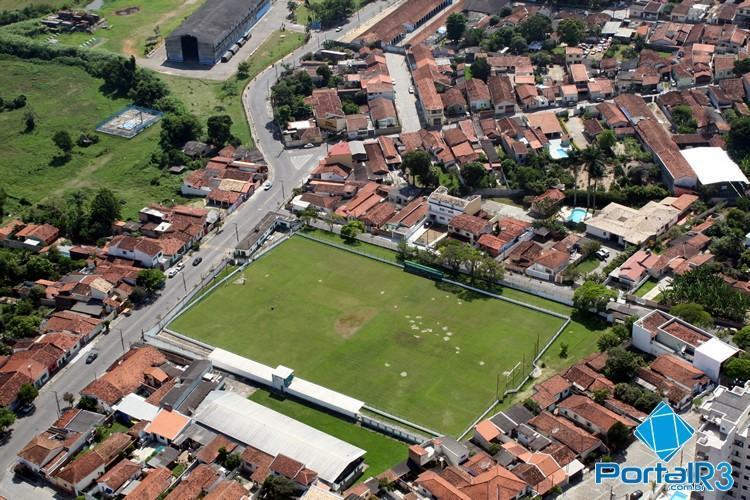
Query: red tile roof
x=565, y=432
x=126, y=376
x=156, y=482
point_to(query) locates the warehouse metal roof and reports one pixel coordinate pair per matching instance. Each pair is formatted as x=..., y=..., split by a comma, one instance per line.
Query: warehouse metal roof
x=215, y=19
x=273, y=433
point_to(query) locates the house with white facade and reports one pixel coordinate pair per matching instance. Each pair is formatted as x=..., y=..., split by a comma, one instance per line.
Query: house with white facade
x=660, y=333
x=443, y=206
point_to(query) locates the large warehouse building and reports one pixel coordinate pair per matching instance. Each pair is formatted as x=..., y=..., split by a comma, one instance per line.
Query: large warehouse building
x=213, y=29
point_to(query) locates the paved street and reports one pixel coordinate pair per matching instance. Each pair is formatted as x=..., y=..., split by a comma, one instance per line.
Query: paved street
x=406, y=103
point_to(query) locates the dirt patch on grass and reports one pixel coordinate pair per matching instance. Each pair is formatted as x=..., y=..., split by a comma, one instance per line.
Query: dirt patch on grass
x=127, y=12
x=348, y=324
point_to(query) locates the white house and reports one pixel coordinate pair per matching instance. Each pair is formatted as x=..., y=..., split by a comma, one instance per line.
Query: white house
x=660, y=333
x=443, y=207
x=145, y=252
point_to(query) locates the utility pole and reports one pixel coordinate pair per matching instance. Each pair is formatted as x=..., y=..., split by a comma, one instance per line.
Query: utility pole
x=283, y=193
x=57, y=402
x=184, y=285
x=236, y=233
x=122, y=340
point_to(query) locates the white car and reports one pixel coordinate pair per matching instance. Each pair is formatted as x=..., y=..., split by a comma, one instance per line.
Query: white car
x=172, y=273
x=180, y=266
x=309, y=145
x=411, y=89
x=338, y=30
x=267, y=185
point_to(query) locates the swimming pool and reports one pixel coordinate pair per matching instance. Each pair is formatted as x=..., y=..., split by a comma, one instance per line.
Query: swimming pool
x=678, y=495
x=577, y=215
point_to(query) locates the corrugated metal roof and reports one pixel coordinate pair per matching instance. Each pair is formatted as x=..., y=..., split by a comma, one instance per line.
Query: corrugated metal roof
x=273, y=433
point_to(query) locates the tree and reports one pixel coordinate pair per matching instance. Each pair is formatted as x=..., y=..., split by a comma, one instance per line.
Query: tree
x=621, y=365
x=455, y=26
x=592, y=296
x=151, y=280
x=738, y=140
x=741, y=66
x=27, y=393
x=606, y=140
x=563, y=350
x=742, y=338
x=416, y=164
x=243, y=68
x=352, y=229
x=737, y=370
x=350, y=108
x=532, y=406
x=232, y=461
x=87, y=403
x=7, y=418
x=535, y=28
x=219, y=129
x=706, y=287
x=593, y=159
x=692, y=313
x=149, y=91
x=179, y=128
x=278, y=488
x=29, y=120
x=104, y=210
x=474, y=174
x=63, y=141
x=519, y=45
x=617, y=436
x=22, y=326
x=607, y=341
x=291, y=5
x=324, y=71
x=69, y=398
x=308, y=214
x=600, y=395
x=571, y=31
x=682, y=117
x=480, y=68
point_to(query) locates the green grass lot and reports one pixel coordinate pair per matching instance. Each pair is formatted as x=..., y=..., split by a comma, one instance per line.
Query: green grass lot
x=206, y=97
x=371, y=331
x=302, y=14
x=382, y=452
x=645, y=288
x=587, y=265
x=67, y=98
x=127, y=34
x=20, y=4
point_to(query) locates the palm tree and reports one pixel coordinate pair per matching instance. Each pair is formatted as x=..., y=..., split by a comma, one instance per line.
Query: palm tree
x=593, y=159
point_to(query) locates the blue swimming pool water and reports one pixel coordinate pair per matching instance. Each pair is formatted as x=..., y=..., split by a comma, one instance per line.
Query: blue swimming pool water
x=577, y=215
x=678, y=495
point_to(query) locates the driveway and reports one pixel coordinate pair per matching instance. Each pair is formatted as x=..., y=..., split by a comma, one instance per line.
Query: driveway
x=406, y=103
x=637, y=454
x=574, y=125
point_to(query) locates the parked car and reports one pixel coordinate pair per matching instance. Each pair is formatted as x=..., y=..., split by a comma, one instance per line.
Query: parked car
x=172, y=273
x=197, y=261
x=91, y=357
x=411, y=89
x=180, y=266
x=339, y=29
x=26, y=409
x=309, y=145
x=602, y=254
x=636, y=495
x=267, y=185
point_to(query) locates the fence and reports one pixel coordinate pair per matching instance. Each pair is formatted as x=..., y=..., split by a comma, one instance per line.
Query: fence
x=391, y=430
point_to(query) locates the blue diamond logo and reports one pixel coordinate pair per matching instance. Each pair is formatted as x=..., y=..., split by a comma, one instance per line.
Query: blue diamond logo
x=664, y=431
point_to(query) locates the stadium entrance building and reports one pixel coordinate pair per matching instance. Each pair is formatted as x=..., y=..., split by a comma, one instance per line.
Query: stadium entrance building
x=215, y=29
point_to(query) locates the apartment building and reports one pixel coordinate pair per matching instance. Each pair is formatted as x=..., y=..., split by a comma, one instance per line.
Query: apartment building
x=723, y=436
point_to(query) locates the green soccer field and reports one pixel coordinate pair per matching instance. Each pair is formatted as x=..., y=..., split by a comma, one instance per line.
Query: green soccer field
x=399, y=342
